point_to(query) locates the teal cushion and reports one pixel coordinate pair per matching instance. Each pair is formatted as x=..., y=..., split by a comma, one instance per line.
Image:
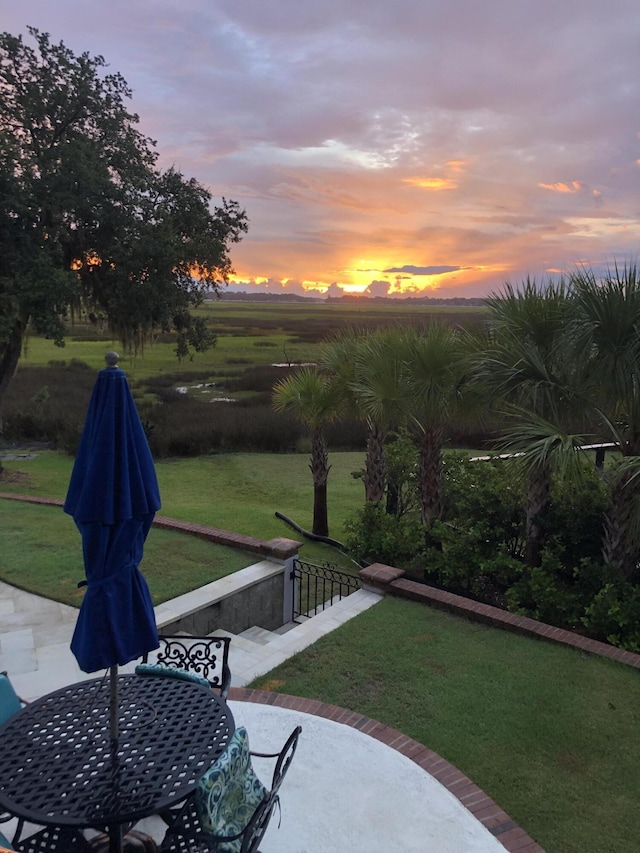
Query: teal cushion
x=229, y=793
x=170, y=672
x=9, y=702
x=4, y=843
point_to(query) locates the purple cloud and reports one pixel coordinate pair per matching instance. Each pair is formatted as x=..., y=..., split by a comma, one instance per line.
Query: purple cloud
x=334, y=124
x=413, y=270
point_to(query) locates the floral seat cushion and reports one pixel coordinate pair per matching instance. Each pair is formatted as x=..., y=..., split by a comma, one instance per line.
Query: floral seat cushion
x=229, y=793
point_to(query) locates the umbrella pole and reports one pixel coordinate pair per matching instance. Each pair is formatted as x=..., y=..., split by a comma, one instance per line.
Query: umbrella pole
x=113, y=705
x=115, y=831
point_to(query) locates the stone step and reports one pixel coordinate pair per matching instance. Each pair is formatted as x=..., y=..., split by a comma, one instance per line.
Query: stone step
x=258, y=635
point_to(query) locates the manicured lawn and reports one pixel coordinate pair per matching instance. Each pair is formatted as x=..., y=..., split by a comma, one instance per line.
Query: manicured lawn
x=551, y=734
x=41, y=551
x=240, y=492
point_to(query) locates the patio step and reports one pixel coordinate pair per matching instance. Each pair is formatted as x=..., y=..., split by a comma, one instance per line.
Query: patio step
x=256, y=651
x=258, y=635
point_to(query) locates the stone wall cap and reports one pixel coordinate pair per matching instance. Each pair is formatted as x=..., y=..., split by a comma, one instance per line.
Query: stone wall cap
x=380, y=573
x=282, y=548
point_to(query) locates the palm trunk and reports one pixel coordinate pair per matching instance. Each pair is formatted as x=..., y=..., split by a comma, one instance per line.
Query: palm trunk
x=375, y=470
x=430, y=475
x=538, y=502
x=320, y=472
x=620, y=546
x=393, y=499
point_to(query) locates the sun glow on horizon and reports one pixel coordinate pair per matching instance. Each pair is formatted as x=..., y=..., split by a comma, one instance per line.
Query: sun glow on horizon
x=432, y=183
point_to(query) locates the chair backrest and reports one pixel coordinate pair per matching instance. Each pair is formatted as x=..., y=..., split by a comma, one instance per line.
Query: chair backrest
x=259, y=823
x=231, y=808
x=229, y=794
x=9, y=701
x=207, y=657
x=284, y=759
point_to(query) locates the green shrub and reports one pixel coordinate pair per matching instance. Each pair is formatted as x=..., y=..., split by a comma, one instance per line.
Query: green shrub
x=469, y=561
x=614, y=615
x=374, y=536
x=556, y=593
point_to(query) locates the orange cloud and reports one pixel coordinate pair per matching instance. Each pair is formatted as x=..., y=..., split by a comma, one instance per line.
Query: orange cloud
x=573, y=187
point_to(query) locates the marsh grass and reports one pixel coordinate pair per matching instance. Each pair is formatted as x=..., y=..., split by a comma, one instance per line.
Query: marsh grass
x=48, y=397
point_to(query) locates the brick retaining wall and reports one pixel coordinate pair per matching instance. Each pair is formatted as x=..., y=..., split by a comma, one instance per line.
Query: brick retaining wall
x=392, y=581
x=272, y=549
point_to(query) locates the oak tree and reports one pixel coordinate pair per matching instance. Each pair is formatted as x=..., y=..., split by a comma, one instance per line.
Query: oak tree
x=88, y=222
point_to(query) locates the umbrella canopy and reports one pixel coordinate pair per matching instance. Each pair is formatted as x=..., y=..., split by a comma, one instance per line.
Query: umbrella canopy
x=113, y=496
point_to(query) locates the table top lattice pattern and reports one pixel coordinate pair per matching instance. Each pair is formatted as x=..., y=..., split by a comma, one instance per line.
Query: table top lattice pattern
x=57, y=764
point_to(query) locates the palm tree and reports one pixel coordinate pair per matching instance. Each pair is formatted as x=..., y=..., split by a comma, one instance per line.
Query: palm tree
x=314, y=400
x=436, y=366
x=369, y=368
x=529, y=368
x=607, y=339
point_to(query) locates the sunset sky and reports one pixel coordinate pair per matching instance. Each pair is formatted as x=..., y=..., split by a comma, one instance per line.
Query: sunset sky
x=441, y=147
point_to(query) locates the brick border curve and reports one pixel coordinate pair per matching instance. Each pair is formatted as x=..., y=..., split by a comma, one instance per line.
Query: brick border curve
x=279, y=548
x=512, y=837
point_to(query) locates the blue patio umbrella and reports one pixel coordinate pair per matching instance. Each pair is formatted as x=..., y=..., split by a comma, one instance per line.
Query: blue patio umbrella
x=113, y=496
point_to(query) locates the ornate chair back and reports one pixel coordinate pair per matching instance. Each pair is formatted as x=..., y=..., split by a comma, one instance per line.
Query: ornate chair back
x=207, y=657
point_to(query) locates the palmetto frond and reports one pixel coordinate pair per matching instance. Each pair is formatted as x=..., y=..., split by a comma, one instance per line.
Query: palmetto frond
x=313, y=398
x=606, y=328
x=379, y=377
x=437, y=378
x=528, y=359
x=538, y=444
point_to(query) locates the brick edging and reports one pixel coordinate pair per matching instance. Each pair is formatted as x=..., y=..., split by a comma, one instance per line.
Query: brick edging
x=482, y=807
x=392, y=581
x=277, y=549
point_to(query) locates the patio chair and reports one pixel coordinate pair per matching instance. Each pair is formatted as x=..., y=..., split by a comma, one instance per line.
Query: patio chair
x=10, y=702
x=207, y=657
x=52, y=840
x=231, y=808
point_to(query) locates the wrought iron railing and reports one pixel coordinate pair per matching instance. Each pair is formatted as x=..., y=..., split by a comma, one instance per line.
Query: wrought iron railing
x=317, y=587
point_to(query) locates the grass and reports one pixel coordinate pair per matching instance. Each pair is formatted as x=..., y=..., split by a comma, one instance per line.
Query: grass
x=240, y=492
x=42, y=552
x=551, y=734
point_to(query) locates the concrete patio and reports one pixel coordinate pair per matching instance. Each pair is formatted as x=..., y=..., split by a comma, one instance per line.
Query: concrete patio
x=346, y=790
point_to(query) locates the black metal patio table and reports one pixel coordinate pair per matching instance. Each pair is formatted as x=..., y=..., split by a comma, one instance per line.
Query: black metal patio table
x=58, y=766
